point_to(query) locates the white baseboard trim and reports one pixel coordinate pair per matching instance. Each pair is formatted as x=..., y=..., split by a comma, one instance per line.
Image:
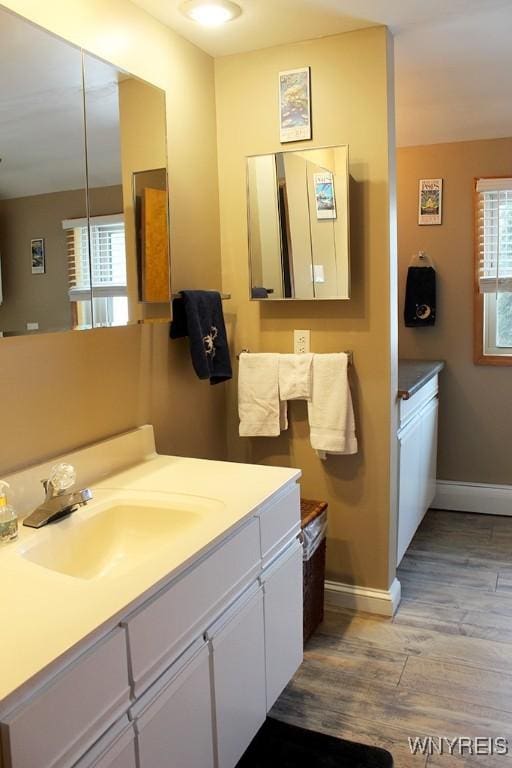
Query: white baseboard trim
x=473, y=497
x=381, y=601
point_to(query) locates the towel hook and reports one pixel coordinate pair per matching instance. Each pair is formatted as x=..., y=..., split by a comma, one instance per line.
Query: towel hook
x=421, y=259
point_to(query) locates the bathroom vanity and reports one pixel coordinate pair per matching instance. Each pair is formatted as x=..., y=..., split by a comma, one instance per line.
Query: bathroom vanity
x=417, y=444
x=160, y=642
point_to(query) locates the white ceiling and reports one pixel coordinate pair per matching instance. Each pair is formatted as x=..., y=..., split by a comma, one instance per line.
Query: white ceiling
x=453, y=57
x=453, y=65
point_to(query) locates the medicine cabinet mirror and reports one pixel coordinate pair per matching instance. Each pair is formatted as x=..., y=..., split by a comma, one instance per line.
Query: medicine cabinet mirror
x=298, y=220
x=77, y=135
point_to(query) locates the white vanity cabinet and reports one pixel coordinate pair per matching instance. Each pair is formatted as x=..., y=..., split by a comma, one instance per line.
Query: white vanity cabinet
x=185, y=678
x=417, y=444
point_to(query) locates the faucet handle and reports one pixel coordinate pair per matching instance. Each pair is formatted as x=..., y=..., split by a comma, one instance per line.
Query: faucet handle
x=62, y=477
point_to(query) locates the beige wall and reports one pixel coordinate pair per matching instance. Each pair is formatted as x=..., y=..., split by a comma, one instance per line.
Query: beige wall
x=42, y=298
x=350, y=105
x=66, y=389
x=475, y=420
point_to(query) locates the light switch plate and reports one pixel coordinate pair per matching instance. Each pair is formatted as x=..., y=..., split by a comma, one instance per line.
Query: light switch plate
x=301, y=342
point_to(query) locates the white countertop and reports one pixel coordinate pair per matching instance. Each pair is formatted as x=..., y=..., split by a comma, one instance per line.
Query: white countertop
x=45, y=613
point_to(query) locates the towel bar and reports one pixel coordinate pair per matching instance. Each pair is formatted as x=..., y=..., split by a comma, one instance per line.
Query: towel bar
x=224, y=296
x=348, y=353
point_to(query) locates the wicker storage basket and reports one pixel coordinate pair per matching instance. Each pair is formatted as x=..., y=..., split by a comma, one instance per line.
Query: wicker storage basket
x=314, y=565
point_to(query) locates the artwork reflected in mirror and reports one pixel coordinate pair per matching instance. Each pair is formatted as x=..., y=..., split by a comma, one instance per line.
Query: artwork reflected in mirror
x=152, y=234
x=298, y=224
x=73, y=131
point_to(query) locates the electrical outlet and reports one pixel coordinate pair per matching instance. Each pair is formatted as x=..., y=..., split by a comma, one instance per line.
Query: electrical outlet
x=301, y=342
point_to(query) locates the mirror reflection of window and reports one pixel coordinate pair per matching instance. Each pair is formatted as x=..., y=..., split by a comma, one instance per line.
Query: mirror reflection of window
x=107, y=271
x=101, y=245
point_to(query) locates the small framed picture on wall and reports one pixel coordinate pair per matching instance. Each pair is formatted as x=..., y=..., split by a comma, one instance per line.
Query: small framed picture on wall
x=295, y=105
x=430, y=201
x=38, y=256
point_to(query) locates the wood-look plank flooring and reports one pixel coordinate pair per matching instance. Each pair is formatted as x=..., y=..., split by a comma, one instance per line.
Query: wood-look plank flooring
x=441, y=667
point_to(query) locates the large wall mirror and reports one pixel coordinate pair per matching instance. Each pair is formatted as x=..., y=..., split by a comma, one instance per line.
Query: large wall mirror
x=298, y=214
x=80, y=143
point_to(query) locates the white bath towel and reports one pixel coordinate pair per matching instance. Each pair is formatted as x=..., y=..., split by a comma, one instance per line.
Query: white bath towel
x=295, y=377
x=260, y=411
x=330, y=412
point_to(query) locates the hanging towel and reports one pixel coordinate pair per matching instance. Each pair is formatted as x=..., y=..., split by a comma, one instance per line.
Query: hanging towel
x=330, y=412
x=260, y=411
x=295, y=376
x=420, y=297
x=199, y=315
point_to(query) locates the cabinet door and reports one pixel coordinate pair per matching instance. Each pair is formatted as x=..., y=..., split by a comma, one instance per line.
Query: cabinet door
x=282, y=600
x=410, y=496
x=429, y=427
x=238, y=653
x=175, y=729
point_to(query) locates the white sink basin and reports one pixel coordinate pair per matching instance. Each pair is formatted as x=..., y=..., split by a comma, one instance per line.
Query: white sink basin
x=118, y=537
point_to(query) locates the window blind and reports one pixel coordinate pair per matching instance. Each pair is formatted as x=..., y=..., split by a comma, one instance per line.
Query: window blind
x=494, y=234
x=108, y=259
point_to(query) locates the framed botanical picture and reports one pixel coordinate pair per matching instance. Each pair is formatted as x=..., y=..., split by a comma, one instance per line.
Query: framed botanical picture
x=324, y=195
x=38, y=256
x=295, y=104
x=430, y=201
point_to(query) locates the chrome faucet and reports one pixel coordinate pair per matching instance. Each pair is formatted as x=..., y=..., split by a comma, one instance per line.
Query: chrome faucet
x=59, y=501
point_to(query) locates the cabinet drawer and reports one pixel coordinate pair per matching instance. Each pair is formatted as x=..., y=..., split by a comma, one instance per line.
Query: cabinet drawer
x=115, y=750
x=279, y=522
x=409, y=408
x=160, y=631
x=62, y=720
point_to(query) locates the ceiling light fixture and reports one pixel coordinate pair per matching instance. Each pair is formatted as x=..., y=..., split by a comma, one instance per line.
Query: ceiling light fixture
x=210, y=13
